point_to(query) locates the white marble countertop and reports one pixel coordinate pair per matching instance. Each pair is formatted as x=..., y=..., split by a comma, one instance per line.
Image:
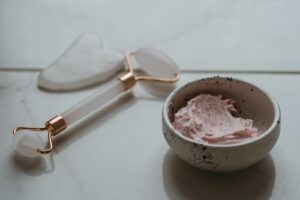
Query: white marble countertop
x=120, y=152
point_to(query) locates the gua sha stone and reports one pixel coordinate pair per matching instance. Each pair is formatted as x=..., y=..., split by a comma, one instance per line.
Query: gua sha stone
x=83, y=64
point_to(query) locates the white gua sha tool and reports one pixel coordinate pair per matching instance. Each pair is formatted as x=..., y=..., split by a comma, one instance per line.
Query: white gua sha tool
x=157, y=67
x=86, y=62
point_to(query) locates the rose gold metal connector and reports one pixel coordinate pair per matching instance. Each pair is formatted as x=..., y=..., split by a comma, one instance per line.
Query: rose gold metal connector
x=54, y=126
x=129, y=79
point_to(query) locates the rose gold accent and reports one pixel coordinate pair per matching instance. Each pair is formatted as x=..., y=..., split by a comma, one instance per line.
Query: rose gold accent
x=54, y=126
x=130, y=79
x=50, y=145
x=128, y=61
x=28, y=128
x=161, y=80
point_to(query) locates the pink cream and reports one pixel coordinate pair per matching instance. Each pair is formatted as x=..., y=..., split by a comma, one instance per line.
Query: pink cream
x=209, y=118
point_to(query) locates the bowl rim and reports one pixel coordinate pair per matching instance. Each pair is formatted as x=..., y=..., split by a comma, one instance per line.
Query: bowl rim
x=265, y=134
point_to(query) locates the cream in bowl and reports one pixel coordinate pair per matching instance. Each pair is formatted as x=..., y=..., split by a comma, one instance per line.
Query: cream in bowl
x=210, y=118
x=221, y=124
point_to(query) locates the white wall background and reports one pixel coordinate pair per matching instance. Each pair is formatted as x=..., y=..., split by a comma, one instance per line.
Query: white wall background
x=199, y=35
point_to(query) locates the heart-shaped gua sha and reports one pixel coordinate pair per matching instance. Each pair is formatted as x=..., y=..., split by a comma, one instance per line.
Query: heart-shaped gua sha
x=83, y=64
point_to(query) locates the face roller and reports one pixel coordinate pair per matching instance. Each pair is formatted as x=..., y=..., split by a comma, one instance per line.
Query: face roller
x=157, y=68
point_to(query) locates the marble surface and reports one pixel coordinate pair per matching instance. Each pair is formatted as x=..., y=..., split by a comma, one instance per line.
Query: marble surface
x=120, y=152
x=205, y=34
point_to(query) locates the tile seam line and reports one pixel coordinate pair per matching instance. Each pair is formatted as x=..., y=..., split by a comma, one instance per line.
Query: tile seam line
x=187, y=71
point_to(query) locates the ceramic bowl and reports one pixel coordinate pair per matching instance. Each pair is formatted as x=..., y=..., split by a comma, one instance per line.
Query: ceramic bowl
x=251, y=103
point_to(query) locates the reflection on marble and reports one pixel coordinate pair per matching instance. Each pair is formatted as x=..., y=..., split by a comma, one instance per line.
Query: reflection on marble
x=33, y=166
x=182, y=181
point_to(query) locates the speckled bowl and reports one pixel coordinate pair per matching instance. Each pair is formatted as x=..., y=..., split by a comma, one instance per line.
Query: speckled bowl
x=252, y=102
